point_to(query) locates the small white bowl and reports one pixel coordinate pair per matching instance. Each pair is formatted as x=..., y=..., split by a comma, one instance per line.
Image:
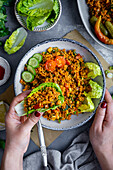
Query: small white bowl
x=6, y=66
x=45, y=26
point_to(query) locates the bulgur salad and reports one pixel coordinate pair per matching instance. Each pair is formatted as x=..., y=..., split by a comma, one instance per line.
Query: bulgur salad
x=66, y=70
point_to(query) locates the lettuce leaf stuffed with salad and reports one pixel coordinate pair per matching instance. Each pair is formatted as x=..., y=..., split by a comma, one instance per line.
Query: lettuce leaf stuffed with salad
x=94, y=70
x=88, y=106
x=19, y=108
x=96, y=90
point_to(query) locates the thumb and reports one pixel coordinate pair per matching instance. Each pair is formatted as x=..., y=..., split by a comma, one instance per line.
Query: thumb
x=32, y=120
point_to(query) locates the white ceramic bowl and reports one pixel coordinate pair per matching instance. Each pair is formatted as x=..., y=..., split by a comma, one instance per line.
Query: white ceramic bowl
x=89, y=56
x=45, y=26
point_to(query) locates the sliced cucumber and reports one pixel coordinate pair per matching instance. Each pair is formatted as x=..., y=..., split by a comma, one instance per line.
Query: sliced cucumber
x=27, y=76
x=31, y=69
x=33, y=62
x=38, y=56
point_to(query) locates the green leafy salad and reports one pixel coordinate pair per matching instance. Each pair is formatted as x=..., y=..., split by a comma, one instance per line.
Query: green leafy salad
x=38, y=11
x=3, y=30
x=3, y=17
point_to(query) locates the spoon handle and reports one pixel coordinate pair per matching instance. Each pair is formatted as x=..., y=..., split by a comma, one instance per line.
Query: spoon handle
x=42, y=143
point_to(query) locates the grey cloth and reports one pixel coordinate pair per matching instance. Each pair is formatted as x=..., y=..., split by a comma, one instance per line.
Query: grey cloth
x=78, y=156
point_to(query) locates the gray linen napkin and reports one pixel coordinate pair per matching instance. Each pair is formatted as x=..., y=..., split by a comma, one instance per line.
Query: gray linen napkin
x=78, y=156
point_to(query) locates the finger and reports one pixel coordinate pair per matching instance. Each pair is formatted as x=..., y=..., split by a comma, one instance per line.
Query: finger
x=99, y=117
x=109, y=115
x=23, y=119
x=17, y=100
x=108, y=97
x=31, y=121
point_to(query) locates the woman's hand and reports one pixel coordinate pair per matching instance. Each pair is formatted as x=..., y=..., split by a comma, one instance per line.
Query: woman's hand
x=18, y=131
x=101, y=133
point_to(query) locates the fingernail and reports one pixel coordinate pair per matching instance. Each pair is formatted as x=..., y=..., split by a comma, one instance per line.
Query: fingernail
x=103, y=105
x=37, y=114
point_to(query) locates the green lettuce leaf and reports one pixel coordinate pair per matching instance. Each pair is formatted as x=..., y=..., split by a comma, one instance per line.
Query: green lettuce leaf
x=15, y=41
x=96, y=91
x=33, y=21
x=94, y=70
x=19, y=108
x=3, y=17
x=54, y=13
x=88, y=107
x=1, y=3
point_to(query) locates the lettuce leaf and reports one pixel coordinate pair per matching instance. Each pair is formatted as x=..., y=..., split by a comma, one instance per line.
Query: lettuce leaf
x=54, y=13
x=19, y=108
x=33, y=21
x=94, y=70
x=96, y=91
x=15, y=41
x=88, y=107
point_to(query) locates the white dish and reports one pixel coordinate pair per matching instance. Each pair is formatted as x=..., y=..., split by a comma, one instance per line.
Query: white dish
x=45, y=26
x=6, y=66
x=75, y=121
x=2, y=125
x=84, y=13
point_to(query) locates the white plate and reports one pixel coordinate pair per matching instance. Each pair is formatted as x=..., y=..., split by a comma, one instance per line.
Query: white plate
x=6, y=66
x=84, y=13
x=88, y=57
x=2, y=125
x=45, y=26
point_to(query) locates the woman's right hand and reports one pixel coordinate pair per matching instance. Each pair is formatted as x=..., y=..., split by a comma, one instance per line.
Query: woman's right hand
x=18, y=130
x=101, y=133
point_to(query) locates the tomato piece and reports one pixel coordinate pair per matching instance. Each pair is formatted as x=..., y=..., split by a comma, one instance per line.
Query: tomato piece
x=36, y=106
x=60, y=61
x=50, y=65
x=66, y=85
x=78, y=56
x=68, y=62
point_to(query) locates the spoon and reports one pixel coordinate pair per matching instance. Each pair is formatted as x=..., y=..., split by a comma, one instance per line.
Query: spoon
x=42, y=143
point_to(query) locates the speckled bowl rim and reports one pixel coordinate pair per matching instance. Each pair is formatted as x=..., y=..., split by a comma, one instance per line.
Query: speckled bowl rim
x=38, y=29
x=99, y=63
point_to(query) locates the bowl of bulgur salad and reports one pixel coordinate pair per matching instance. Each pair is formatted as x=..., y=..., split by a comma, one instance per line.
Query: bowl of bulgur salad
x=97, y=17
x=70, y=66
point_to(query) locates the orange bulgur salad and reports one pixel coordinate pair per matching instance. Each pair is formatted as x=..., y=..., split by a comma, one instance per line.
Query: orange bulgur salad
x=68, y=70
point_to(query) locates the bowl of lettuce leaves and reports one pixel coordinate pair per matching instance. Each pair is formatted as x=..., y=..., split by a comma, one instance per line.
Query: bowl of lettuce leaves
x=38, y=15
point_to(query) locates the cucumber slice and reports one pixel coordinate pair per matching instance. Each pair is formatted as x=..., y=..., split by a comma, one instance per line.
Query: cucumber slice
x=31, y=69
x=38, y=56
x=33, y=62
x=27, y=76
